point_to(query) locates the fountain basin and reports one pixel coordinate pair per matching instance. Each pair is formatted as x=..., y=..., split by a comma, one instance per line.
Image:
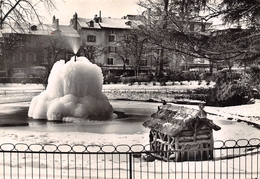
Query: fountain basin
x=127, y=119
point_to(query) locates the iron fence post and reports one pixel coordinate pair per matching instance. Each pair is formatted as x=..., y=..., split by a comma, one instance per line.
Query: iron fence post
x=130, y=166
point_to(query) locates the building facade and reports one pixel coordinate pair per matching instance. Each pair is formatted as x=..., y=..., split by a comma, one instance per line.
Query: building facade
x=100, y=41
x=35, y=46
x=95, y=38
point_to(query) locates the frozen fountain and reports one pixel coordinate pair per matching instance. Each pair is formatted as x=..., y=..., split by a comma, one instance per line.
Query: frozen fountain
x=74, y=90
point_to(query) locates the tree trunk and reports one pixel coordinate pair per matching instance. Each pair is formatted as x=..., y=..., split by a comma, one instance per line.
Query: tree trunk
x=211, y=67
x=160, y=68
x=165, y=15
x=124, y=68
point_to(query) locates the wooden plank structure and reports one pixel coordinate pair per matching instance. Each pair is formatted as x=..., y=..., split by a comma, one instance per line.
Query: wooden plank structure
x=180, y=133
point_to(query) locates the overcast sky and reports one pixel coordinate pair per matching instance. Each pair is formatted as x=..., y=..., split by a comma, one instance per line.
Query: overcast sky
x=88, y=8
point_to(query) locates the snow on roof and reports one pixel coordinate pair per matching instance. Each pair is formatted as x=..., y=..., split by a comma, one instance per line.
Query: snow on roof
x=41, y=29
x=85, y=23
x=107, y=22
x=68, y=31
x=172, y=119
x=115, y=23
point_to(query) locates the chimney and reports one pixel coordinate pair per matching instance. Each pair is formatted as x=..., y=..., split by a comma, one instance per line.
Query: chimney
x=53, y=19
x=96, y=19
x=57, y=24
x=75, y=21
x=100, y=19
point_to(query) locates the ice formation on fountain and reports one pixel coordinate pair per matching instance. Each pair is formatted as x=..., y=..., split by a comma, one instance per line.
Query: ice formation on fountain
x=74, y=90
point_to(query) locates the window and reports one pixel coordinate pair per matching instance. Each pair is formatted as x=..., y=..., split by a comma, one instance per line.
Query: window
x=111, y=49
x=21, y=43
x=17, y=57
x=91, y=38
x=112, y=38
x=34, y=28
x=91, y=23
x=143, y=63
x=110, y=61
x=112, y=31
x=31, y=57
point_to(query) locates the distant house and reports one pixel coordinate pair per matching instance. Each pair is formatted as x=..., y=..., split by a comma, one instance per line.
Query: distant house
x=100, y=37
x=96, y=38
x=178, y=133
x=36, y=45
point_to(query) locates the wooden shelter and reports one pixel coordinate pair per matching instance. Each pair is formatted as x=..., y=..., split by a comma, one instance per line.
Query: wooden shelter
x=180, y=133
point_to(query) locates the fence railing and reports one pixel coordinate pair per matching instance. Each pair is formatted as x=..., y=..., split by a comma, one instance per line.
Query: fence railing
x=149, y=90
x=12, y=92
x=232, y=159
x=134, y=90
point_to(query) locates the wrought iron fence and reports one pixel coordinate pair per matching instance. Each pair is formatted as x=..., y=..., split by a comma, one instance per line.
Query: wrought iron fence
x=232, y=159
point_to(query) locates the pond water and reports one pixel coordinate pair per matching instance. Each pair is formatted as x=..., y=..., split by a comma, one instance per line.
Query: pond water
x=136, y=113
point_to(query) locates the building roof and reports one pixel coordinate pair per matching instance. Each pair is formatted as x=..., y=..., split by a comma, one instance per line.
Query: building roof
x=41, y=29
x=172, y=119
x=85, y=23
x=68, y=31
x=115, y=23
x=107, y=22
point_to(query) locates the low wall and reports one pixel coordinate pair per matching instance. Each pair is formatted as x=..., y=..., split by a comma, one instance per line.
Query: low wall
x=21, y=80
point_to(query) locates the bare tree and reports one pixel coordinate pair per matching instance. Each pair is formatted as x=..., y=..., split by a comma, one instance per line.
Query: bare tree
x=9, y=43
x=240, y=11
x=168, y=26
x=124, y=50
x=175, y=21
x=23, y=11
x=92, y=52
x=53, y=46
x=17, y=16
x=132, y=46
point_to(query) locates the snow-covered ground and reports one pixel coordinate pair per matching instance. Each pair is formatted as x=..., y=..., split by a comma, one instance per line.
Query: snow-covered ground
x=250, y=112
x=243, y=167
x=231, y=129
